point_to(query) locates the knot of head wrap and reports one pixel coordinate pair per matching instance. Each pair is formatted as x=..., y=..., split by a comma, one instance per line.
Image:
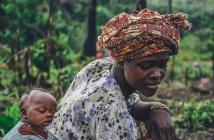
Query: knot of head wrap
x=131, y=36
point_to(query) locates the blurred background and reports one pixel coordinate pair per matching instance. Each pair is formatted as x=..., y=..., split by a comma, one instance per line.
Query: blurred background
x=45, y=43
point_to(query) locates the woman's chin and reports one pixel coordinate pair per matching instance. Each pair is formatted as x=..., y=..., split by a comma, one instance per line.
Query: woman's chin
x=147, y=93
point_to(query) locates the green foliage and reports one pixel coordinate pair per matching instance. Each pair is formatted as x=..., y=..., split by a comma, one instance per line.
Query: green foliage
x=104, y=15
x=196, y=116
x=13, y=112
x=66, y=74
x=9, y=118
x=7, y=77
x=4, y=53
x=53, y=39
x=193, y=55
x=37, y=54
x=7, y=94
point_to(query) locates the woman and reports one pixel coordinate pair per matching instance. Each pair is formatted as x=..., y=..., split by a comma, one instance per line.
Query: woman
x=103, y=97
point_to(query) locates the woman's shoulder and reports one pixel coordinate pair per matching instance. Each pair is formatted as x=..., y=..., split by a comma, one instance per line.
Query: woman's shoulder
x=99, y=64
x=92, y=72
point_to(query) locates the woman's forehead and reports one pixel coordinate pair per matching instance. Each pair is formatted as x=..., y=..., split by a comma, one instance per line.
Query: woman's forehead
x=164, y=56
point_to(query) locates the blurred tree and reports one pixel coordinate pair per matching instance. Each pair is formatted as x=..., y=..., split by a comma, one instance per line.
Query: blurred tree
x=211, y=49
x=141, y=4
x=172, y=72
x=170, y=6
x=90, y=43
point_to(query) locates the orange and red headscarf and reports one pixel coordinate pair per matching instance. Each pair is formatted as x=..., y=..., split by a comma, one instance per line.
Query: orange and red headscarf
x=131, y=36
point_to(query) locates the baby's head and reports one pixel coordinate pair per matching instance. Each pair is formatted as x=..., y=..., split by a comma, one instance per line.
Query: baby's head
x=22, y=104
x=38, y=107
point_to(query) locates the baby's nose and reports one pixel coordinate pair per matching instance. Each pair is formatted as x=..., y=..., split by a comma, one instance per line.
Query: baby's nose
x=49, y=114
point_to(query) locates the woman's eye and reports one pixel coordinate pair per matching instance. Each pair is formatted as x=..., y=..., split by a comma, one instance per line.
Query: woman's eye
x=163, y=65
x=145, y=65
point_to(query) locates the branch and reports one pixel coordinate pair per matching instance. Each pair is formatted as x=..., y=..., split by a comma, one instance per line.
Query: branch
x=49, y=16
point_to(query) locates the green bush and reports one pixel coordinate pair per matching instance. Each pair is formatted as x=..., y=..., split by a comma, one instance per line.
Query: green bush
x=196, y=116
x=9, y=118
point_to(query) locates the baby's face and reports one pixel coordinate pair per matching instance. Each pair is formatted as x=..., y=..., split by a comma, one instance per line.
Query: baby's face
x=41, y=110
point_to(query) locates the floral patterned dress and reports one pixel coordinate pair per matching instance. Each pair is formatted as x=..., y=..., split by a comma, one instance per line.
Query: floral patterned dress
x=94, y=107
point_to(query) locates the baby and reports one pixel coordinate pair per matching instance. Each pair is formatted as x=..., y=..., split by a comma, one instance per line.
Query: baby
x=37, y=111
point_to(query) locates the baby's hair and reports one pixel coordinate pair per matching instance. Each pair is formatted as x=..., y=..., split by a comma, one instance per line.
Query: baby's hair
x=27, y=93
x=23, y=100
x=22, y=103
x=40, y=89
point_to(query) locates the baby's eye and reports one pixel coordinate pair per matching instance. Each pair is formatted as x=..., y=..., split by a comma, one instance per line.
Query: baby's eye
x=41, y=110
x=53, y=111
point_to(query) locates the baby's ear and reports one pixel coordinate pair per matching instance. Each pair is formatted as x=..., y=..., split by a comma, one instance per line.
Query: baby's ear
x=23, y=113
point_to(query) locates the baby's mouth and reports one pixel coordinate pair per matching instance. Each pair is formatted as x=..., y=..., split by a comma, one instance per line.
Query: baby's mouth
x=46, y=123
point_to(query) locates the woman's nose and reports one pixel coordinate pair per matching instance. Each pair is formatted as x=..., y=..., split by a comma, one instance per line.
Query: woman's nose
x=157, y=75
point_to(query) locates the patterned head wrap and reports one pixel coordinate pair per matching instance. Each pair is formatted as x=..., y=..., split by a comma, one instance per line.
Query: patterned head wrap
x=131, y=36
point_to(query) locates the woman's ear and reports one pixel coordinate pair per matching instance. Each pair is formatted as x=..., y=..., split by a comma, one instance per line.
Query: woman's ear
x=120, y=64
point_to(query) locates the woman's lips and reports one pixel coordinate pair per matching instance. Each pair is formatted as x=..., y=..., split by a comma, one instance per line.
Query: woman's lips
x=152, y=86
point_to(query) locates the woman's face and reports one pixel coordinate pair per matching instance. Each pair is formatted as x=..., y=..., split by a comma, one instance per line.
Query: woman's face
x=146, y=73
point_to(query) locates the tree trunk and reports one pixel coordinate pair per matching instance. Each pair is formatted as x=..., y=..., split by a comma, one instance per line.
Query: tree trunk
x=47, y=57
x=141, y=4
x=186, y=76
x=213, y=63
x=170, y=6
x=27, y=66
x=17, y=49
x=47, y=48
x=172, y=72
x=90, y=43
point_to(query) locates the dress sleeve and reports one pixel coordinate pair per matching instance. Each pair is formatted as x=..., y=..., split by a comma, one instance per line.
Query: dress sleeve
x=134, y=98
x=115, y=124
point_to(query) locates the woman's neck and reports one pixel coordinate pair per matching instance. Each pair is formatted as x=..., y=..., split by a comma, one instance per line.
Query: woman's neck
x=118, y=73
